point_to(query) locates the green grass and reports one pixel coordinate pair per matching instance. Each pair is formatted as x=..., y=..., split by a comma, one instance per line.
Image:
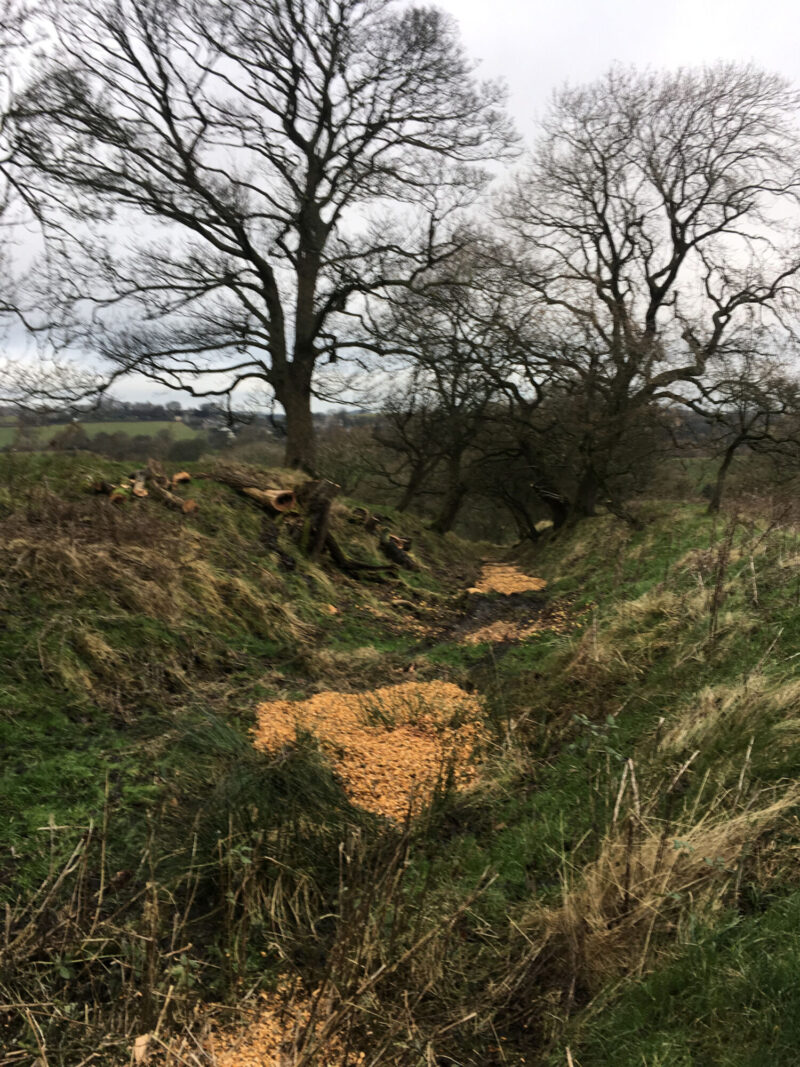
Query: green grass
x=139, y=643
x=731, y=998
x=178, y=430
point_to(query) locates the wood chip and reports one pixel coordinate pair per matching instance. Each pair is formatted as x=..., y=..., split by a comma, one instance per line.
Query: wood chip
x=388, y=745
x=505, y=578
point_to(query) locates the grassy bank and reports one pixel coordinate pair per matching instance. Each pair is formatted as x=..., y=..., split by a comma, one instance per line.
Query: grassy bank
x=633, y=833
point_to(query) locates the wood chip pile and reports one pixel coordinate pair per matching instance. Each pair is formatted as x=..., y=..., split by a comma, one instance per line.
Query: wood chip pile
x=505, y=578
x=388, y=745
x=268, y=1040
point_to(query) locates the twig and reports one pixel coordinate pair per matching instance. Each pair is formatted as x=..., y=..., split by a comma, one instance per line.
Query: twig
x=620, y=794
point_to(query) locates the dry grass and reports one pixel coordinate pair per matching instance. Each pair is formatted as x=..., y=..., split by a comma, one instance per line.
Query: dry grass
x=756, y=702
x=100, y=576
x=614, y=911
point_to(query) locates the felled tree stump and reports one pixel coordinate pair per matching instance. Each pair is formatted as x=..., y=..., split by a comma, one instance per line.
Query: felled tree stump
x=316, y=498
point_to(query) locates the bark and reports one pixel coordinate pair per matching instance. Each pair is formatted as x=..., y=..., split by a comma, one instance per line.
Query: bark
x=239, y=477
x=419, y=472
x=294, y=395
x=716, y=493
x=396, y=549
x=316, y=497
x=278, y=500
x=450, y=509
x=585, y=502
x=556, y=503
x=354, y=568
x=524, y=521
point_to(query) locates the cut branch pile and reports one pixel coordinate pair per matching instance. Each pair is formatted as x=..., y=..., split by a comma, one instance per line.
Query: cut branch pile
x=149, y=481
x=306, y=512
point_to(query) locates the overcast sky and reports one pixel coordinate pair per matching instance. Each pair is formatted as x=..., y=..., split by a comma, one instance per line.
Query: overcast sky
x=536, y=47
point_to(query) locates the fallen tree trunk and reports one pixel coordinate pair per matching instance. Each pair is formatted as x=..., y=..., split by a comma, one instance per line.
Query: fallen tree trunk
x=255, y=486
x=353, y=567
x=239, y=478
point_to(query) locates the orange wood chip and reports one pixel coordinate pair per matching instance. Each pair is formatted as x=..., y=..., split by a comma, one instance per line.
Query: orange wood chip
x=505, y=578
x=388, y=745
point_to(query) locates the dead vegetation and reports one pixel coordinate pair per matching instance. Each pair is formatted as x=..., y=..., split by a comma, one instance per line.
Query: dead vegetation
x=618, y=911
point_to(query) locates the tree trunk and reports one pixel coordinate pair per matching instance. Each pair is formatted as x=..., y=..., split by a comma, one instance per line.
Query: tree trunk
x=585, y=501
x=295, y=399
x=716, y=493
x=453, y=497
x=524, y=521
x=557, y=504
x=415, y=480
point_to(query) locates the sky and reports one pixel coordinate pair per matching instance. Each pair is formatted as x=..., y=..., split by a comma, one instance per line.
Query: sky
x=536, y=48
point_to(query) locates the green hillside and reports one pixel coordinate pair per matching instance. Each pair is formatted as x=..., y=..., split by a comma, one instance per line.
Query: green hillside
x=618, y=885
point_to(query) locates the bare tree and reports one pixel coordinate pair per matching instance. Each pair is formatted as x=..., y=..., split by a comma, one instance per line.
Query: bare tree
x=437, y=418
x=753, y=403
x=268, y=164
x=652, y=222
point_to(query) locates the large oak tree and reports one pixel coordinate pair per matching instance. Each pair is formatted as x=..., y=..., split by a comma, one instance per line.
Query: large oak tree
x=246, y=172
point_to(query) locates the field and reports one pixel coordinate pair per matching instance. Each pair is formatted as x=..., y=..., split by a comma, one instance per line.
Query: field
x=178, y=430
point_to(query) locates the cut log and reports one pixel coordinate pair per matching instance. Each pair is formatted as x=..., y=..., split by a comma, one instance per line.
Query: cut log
x=171, y=500
x=403, y=543
x=278, y=500
x=239, y=477
x=100, y=487
x=159, y=483
x=138, y=479
x=395, y=549
x=367, y=519
x=180, y=477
